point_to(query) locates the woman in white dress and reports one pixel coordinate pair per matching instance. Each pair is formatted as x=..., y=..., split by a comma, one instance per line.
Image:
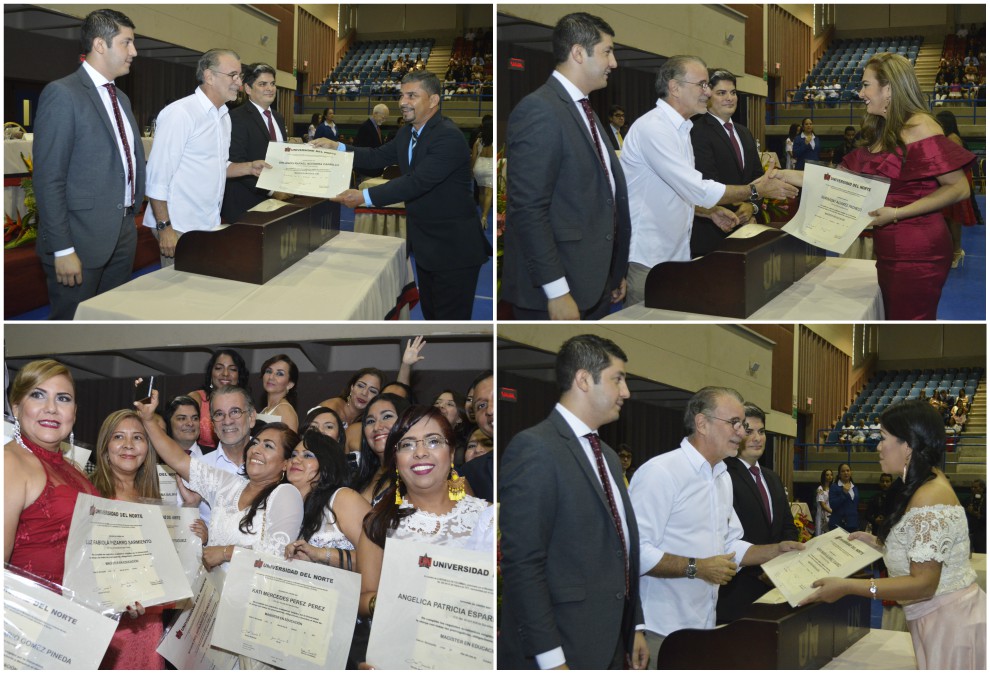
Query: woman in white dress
x=925, y=541
x=257, y=509
x=370, y=478
x=279, y=376
x=481, y=163
x=421, y=504
x=789, y=146
x=823, y=510
x=333, y=513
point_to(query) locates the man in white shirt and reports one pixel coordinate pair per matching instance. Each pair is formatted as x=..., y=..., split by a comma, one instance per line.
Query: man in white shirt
x=233, y=416
x=690, y=536
x=189, y=167
x=570, y=550
x=89, y=177
x=664, y=186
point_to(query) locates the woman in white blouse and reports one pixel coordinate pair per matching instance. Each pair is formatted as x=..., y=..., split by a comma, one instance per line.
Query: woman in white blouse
x=333, y=513
x=925, y=541
x=420, y=505
x=257, y=509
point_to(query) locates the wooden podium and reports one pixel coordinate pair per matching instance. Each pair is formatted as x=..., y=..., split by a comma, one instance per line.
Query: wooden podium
x=260, y=246
x=735, y=280
x=772, y=636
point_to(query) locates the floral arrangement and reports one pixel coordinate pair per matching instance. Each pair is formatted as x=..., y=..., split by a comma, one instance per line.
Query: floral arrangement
x=805, y=527
x=25, y=227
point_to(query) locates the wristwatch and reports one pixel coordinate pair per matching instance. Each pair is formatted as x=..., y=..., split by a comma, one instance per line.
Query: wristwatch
x=162, y=224
x=754, y=194
x=692, y=568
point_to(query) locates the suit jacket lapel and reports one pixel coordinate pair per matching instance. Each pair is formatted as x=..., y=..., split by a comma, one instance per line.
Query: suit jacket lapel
x=579, y=118
x=590, y=472
x=94, y=97
x=751, y=485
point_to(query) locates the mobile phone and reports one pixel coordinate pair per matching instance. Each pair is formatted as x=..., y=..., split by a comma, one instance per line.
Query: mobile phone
x=143, y=389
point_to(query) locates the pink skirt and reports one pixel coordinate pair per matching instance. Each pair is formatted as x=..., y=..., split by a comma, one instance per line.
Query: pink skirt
x=950, y=631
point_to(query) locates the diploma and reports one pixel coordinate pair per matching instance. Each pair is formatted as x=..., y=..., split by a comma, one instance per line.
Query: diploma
x=168, y=484
x=835, y=206
x=45, y=630
x=289, y=614
x=188, y=545
x=307, y=170
x=435, y=608
x=828, y=555
x=187, y=643
x=120, y=552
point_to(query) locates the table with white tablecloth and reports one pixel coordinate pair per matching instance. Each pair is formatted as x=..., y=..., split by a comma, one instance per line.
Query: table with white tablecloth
x=880, y=649
x=838, y=289
x=351, y=277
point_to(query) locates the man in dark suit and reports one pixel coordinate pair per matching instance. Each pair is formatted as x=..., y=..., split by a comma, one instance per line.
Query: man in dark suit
x=567, y=248
x=751, y=482
x=570, y=543
x=616, y=120
x=252, y=126
x=729, y=160
x=89, y=179
x=435, y=183
x=369, y=134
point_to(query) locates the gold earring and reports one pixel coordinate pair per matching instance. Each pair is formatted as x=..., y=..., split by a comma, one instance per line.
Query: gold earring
x=398, y=493
x=455, y=486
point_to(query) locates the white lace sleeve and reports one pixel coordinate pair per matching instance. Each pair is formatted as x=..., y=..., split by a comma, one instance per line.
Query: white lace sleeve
x=930, y=534
x=206, y=480
x=283, y=518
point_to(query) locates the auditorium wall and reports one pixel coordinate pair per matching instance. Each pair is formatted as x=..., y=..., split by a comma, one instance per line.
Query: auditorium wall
x=910, y=346
x=665, y=29
x=687, y=357
x=388, y=21
x=201, y=27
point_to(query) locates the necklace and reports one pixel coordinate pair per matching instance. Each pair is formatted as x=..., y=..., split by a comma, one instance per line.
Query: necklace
x=272, y=408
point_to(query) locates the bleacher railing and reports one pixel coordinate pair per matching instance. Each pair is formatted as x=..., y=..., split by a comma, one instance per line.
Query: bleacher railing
x=966, y=110
x=371, y=99
x=856, y=454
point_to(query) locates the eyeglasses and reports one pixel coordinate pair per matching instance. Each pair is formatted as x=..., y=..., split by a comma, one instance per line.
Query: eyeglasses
x=237, y=76
x=704, y=86
x=735, y=423
x=430, y=442
x=233, y=414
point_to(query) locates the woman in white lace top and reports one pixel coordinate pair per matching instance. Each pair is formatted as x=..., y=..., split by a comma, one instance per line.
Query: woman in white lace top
x=421, y=504
x=257, y=509
x=333, y=513
x=925, y=542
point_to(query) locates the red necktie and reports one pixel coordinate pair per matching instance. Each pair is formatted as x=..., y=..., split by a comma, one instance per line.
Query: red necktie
x=734, y=143
x=123, y=136
x=596, y=448
x=586, y=104
x=755, y=470
x=271, y=127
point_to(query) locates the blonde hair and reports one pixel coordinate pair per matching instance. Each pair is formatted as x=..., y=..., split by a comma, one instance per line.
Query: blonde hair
x=35, y=373
x=146, y=480
x=906, y=101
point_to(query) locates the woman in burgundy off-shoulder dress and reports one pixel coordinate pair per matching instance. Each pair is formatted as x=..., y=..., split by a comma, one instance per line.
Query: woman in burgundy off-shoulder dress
x=904, y=143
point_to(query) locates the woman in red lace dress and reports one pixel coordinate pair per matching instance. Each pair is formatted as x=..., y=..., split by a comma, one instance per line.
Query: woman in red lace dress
x=40, y=486
x=904, y=143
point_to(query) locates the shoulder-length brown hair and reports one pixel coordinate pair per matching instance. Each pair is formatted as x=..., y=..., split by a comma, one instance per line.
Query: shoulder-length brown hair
x=146, y=480
x=906, y=101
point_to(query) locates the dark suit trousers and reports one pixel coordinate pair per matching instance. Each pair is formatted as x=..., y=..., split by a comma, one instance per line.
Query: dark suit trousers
x=447, y=294
x=95, y=280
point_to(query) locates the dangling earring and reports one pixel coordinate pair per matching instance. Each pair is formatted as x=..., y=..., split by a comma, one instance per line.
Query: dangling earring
x=904, y=472
x=282, y=479
x=398, y=484
x=17, y=433
x=455, y=486
x=72, y=439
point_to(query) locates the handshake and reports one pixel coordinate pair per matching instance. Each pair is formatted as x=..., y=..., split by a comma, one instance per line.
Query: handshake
x=771, y=184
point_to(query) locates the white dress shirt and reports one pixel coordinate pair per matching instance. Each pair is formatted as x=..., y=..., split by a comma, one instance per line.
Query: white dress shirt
x=683, y=506
x=560, y=287
x=279, y=133
x=664, y=187
x=187, y=168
